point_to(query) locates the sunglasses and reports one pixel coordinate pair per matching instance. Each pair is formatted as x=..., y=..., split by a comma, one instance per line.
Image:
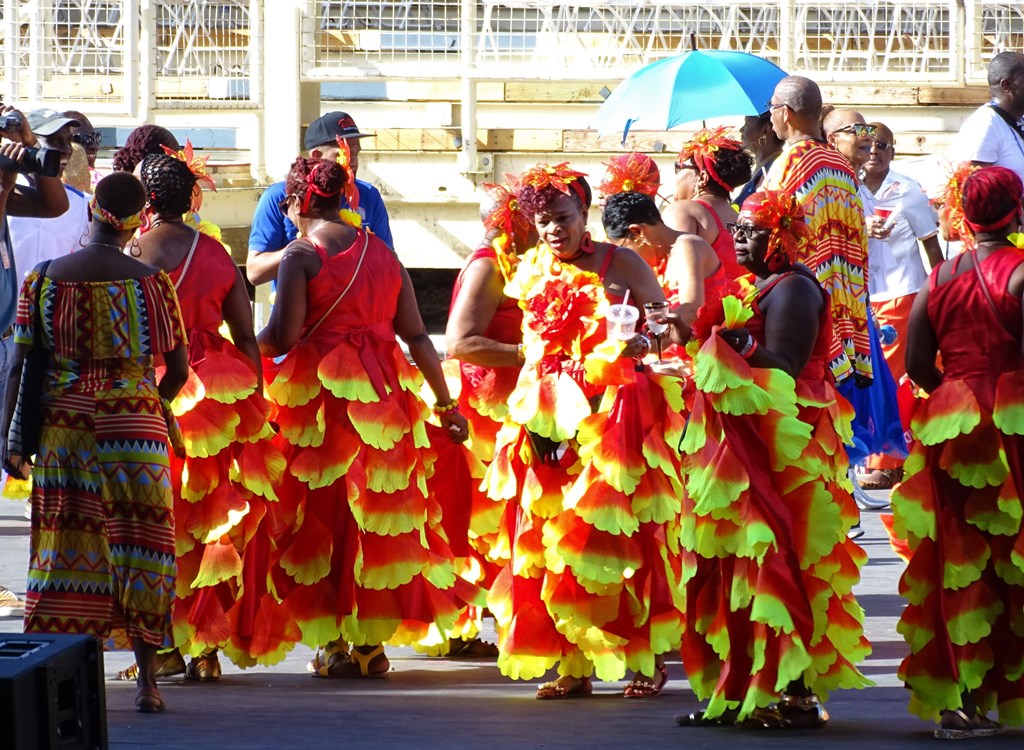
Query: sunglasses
x=680, y=167
x=94, y=138
x=769, y=107
x=881, y=145
x=859, y=130
x=743, y=231
x=283, y=205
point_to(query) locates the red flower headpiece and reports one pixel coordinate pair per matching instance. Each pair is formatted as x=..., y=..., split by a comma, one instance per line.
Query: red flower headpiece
x=952, y=198
x=703, y=147
x=197, y=166
x=312, y=188
x=562, y=177
x=505, y=213
x=345, y=160
x=779, y=212
x=631, y=173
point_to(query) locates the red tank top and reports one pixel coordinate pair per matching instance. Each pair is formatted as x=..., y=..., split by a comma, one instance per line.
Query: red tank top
x=723, y=246
x=506, y=326
x=975, y=339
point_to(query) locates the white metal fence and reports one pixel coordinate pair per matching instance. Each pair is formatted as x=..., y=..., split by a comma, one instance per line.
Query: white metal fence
x=110, y=55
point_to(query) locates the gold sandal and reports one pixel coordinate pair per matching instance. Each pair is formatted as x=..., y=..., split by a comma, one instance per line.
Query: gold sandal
x=167, y=665
x=363, y=660
x=205, y=668
x=328, y=658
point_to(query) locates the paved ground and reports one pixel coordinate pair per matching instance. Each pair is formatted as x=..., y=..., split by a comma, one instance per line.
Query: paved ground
x=453, y=704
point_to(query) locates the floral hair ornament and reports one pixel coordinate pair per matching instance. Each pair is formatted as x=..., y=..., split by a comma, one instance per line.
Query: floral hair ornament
x=345, y=160
x=125, y=224
x=197, y=166
x=703, y=147
x=952, y=198
x=505, y=213
x=631, y=173
x=778, y=211
x=312, y=188
x=562, y=177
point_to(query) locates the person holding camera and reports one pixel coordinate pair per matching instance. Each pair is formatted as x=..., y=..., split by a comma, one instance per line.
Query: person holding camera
x=18, y=152
x=34, y=239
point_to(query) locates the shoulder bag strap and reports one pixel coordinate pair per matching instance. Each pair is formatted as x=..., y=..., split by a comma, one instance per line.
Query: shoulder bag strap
x=37, y=334
x=1015, y=125
x=366, y=242
x=988, y=293
x=188, y=260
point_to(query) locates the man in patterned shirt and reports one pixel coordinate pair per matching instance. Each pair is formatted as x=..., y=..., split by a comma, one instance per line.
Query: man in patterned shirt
x=824, y=182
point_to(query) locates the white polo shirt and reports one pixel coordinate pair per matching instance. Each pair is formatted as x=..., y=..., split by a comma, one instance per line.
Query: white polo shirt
x=895, y=267
x=986, y=137
x=36, y=240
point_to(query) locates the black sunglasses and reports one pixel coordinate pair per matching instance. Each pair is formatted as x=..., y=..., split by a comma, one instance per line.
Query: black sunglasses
x=680, y=167
x=283, y=205
x=94, y=138
x=742, y=231
x=881, y=145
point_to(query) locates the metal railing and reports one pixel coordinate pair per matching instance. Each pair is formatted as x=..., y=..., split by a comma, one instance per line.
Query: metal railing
x=110, y=55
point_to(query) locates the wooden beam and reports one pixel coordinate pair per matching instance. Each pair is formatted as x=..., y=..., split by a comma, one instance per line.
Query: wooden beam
x=954, y=96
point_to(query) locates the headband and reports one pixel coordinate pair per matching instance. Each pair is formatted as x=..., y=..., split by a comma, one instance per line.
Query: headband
x=197, y=166
x=628, y=173
x=704, y=147
x=312, y=188
x=560, y=176
x=779, y=212
x=126, y=224
x=987, y=190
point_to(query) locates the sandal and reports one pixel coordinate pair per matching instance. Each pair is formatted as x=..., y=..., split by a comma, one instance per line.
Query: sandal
x=167, y=665
x=205, y=668
x=644, y=687
x=328, y=659
x=881, y=479
x=556, y=690
x=336, y=661
x=979, y=726
x=791, y=712
x=472, y=648
x=148, y=701
x=699, y=719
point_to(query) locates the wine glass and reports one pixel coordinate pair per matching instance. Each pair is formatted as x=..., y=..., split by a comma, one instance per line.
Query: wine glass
x=655, y=312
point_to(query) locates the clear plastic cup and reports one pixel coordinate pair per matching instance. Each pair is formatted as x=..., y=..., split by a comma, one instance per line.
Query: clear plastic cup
x=621, y=322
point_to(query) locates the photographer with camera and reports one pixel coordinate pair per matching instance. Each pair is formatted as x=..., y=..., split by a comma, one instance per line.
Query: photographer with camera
x=36, y=240
x=19, y=152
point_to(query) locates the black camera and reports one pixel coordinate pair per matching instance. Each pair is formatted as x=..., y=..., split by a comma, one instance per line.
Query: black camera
x=44, y=162
x=10, y=122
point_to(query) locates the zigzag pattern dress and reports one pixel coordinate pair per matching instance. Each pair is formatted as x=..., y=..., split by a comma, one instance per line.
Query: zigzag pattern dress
x=823, y=182
x=102, y=540
x=960, y=505
x=222, y=487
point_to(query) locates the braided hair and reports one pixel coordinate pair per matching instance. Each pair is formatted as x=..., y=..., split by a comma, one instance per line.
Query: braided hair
x=319, y=182
x=144, y=140
x=169, y=184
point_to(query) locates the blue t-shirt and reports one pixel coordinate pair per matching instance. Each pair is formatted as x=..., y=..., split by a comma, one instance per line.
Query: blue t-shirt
x=9, y=288
x=272, y=230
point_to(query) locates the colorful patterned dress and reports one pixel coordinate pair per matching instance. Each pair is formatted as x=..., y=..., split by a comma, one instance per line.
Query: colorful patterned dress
x=102, y=541
x=823, y=182
x=361, y=549
x=587, y=469
x=768, y=568
x=960, y=505
x=222, y=487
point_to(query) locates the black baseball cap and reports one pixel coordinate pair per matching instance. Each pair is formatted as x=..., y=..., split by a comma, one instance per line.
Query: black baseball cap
x=333, y=125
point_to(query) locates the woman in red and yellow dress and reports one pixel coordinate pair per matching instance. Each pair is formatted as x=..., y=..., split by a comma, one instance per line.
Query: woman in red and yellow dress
x=960, y=504
x=362, y=557
x=584, y=465
x=226, y=477
x=484, y=338
x=769, y=569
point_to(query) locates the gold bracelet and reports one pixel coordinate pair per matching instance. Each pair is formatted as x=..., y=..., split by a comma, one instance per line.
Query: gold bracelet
x=520, y=357
x=451, y=406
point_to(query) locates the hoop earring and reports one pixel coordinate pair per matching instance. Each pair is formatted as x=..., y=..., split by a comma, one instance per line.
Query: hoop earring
x=134, y=249
x=84, y=239
x=776, y=260
x=762, y=140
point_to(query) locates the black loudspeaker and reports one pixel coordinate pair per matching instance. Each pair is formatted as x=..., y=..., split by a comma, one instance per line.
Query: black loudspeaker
x=51, y=692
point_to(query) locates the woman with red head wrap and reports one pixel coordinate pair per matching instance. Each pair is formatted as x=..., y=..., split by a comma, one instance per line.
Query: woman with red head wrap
x=587, y=518
x=764, y=478
x=359, y=547
x=709, y=166
x=959, y=506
